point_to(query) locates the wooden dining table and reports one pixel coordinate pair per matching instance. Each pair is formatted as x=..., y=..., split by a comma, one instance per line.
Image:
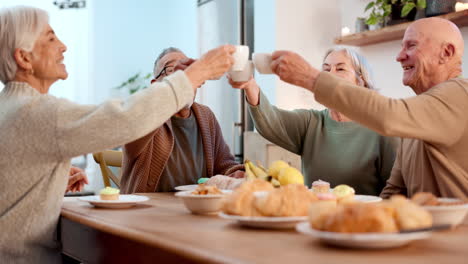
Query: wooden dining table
x=162, y=230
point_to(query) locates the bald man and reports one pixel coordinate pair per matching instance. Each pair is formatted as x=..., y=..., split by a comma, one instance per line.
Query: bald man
x=433, y=125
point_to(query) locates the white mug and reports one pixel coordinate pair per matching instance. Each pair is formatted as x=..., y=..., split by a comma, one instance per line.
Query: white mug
x=262, y=62
x=241, y=57
x=244, y=75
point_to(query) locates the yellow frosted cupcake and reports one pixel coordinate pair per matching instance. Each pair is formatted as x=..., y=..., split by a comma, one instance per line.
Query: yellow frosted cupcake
x=344, y=193
x=109, y=193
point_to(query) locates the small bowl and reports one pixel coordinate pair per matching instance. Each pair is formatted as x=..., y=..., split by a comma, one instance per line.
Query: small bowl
x=447, y=214
x=202, y=204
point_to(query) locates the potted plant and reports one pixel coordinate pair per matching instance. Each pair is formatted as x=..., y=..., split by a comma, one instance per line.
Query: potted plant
x=135, y=83
x=380, y=10
x=406, y=10
x=409, y=5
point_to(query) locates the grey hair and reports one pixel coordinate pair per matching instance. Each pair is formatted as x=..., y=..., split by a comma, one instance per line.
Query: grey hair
x=20, y=27
x=360, y=65
x=162, y=54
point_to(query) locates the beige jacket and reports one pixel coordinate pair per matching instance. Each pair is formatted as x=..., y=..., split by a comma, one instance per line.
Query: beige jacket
x=433, y=156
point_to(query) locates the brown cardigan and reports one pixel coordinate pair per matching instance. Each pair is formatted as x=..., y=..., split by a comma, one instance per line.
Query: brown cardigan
x=144, y=159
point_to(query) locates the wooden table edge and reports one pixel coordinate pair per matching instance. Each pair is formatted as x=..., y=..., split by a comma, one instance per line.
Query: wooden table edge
x=168, y=245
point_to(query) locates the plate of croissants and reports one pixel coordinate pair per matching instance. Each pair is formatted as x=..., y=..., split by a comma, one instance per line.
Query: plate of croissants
x=390, y=223
x=256, y=203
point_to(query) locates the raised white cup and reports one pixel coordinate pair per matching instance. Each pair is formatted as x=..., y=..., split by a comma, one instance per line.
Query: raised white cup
x=241, y=57
x=262, y=62
x=244, y=75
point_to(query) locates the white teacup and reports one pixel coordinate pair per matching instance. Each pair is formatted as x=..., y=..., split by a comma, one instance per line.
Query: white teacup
x=262, y=62
x=244, y=75
x=241, y=57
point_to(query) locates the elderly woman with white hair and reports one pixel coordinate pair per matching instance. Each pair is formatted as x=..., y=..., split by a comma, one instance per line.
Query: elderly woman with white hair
x=40, y=133
x=332, y=147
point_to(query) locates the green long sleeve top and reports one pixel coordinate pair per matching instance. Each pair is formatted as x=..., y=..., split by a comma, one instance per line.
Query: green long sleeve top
x=336, y=152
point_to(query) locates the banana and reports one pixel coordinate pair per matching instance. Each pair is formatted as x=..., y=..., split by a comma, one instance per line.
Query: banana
x=248, y=170
x=261, y=174
x=275, y=183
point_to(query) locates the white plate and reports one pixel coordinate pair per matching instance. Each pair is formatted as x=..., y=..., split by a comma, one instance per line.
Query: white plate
x=265, y=221
x=367, y=198
x=124, y=201
x=362, y=240
x=190, y=187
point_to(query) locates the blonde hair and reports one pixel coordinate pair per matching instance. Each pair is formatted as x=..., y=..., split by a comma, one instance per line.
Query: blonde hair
x=20, y=26
x=360, y=65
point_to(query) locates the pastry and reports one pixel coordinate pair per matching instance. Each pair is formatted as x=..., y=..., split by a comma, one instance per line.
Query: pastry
x=289, y=200
x=320, y=211
x=240, y=201
x=408, y=215
x=424, y=198
x=320, y=187
x=343, y=193
x=204, y=189
x=360, y=218
x=109, y=193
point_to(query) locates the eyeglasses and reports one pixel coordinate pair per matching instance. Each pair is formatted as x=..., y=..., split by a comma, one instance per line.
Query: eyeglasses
x=167, y=70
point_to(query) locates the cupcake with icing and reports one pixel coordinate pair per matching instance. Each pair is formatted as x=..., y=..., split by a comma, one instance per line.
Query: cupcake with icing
x=344, y=193
x=320, y=187
x=109, y=193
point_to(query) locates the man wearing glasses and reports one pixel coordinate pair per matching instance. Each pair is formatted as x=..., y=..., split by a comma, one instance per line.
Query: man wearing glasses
x=185, y=148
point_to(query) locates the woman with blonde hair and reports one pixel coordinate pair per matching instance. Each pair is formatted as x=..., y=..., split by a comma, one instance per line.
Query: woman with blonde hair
x=332, y=147
x=40, y=133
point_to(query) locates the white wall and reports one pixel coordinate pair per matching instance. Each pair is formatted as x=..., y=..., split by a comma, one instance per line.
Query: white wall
x=306, y=27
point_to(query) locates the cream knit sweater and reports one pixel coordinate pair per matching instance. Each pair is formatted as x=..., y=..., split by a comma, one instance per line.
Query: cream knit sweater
x=39, y=133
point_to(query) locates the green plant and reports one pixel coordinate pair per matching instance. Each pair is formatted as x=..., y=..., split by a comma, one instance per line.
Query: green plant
x=380, y=10
x=408, y=5
x=135, y=83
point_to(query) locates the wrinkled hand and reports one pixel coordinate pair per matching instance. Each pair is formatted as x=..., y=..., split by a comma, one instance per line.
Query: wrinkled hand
x=250, y=87
x=77, y=180
x=211, y=66
x=183, y=64
x=294, y=69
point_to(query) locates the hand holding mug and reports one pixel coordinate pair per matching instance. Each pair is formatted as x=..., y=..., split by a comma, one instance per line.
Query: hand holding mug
x=212, y=65
x=294, y=69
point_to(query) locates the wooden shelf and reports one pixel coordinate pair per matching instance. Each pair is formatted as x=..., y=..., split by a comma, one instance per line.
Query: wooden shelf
x=394, y=32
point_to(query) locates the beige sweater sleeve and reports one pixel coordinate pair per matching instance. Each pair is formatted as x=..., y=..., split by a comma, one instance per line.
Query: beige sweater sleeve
x=432, y=116
x=84, y=129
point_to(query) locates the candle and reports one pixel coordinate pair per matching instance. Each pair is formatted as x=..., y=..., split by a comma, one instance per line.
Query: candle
x=345, y=31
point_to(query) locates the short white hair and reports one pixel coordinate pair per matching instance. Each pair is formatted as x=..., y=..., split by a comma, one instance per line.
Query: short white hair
x=20, y=27
x=360, y=65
